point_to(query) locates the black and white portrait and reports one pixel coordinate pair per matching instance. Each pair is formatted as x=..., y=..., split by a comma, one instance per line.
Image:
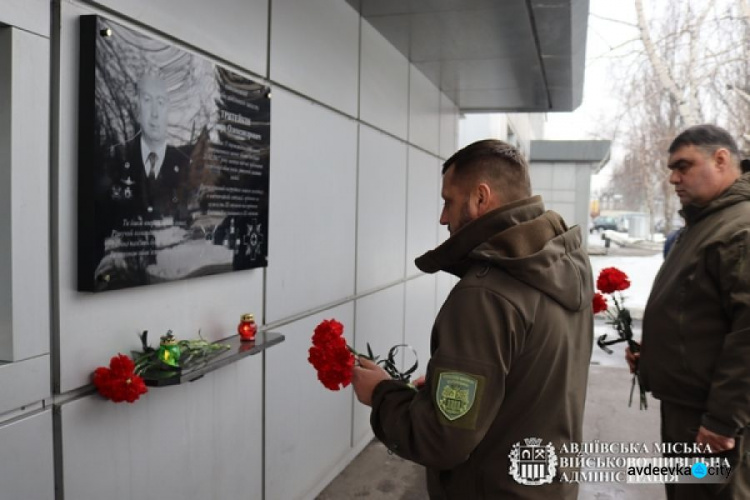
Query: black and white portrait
x=173, y=170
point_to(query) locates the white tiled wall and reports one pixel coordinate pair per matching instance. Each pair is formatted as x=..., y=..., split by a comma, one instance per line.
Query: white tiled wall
x=30, y=15
x=422, y=213
x=26, y=435
x=308, y=427
x=379, y=322
x=384, y=84
x=198, y=440
x=24, y=195
x=424, y=112
x=23, y=383
x=26, y=457
x=381, y=209
x=448, y=127
x=315, y=50
x=477, y=126
x=312, y=206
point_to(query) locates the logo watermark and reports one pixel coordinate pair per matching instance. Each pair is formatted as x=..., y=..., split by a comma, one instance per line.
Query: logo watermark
x=535, y=463
x=531, y=463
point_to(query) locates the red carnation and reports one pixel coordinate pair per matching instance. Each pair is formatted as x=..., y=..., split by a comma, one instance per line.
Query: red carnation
x=121, y=365
x=599, y=303
x=327, y=331
x=612, y=280
x=330, y=355
x=119, y=382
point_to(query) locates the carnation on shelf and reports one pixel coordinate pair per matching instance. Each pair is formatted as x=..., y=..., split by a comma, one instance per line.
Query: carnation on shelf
x=119, y=382
x=124, y=379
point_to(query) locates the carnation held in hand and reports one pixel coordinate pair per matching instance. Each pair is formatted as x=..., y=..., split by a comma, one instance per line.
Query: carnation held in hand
x=119, y=382
x=612, y=281
x=334, y=360
x=331, y=356
x=600, y=303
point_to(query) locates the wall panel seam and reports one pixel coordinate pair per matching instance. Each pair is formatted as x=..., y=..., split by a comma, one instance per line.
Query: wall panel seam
x=351, y=298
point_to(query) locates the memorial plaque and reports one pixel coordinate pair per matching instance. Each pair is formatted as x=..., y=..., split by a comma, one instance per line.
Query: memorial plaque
x=173, y=162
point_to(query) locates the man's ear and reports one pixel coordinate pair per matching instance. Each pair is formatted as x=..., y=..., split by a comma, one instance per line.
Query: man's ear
x=484, y=198
x=723, y=159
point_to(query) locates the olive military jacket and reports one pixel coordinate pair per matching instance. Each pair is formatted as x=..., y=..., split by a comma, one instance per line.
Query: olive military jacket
x=510, y=348
x=696, y=326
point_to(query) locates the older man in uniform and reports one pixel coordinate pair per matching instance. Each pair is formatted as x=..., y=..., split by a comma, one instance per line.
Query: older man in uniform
x=510, y=346
x=143, y=186
x=695, y=356
x=147, y=176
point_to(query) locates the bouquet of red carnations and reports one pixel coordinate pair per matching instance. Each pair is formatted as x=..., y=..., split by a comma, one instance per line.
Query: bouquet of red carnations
x=334, y=360
x=612, y=281
x=119, y=382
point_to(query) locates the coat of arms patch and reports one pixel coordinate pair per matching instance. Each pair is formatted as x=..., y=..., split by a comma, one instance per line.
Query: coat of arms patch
x=455, y=395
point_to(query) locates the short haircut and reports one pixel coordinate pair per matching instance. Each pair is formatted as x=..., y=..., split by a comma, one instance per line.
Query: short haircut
x=495, y=162
x=707, y=137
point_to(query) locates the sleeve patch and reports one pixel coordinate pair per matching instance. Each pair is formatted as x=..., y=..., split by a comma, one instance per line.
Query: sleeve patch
x=457, y=397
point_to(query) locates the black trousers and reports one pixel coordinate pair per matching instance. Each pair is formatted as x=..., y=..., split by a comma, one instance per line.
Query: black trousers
x=679, y=424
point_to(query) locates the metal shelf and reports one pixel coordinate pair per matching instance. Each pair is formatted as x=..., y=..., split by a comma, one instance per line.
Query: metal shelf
x=238, y=349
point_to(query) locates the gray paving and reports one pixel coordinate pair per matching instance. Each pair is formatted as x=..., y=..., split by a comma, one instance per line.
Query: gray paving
x=377, y=475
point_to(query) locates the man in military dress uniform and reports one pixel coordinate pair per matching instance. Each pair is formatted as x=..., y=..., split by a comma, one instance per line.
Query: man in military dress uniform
x=144, y=187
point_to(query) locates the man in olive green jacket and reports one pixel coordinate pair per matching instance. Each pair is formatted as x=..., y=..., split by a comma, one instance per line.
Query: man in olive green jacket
x=695, y=356
x=510, y=346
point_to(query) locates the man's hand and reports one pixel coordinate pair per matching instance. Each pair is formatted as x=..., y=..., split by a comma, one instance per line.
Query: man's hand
x=364, y=379
x=419, y=382
x=716, y=442
x=632, y=359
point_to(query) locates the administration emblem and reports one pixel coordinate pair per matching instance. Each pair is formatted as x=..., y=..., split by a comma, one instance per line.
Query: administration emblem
x=531, y=463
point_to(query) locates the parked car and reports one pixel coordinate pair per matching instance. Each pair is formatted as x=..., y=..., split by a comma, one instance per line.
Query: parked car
x=661, y=227
x=604, y=222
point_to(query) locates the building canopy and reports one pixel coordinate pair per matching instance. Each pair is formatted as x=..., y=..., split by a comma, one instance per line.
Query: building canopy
x=490, y=55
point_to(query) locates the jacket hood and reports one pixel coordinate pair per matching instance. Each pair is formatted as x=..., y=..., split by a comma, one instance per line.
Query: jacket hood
x=737, y=192
x=533, y=245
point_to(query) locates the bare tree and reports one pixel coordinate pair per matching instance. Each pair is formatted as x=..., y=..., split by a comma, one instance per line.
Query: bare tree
x=690, y=64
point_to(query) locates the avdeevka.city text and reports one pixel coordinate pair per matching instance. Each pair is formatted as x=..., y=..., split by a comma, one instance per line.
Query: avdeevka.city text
x=675, y=469
x=615, y=462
